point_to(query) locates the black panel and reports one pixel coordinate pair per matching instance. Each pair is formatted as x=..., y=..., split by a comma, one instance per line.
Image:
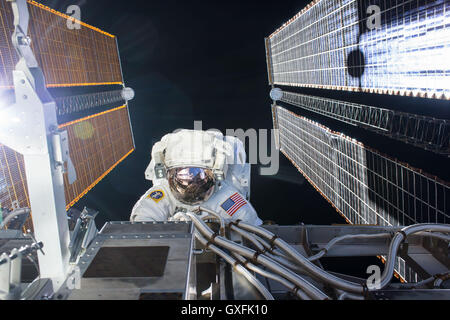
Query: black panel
x=128, y=262
x=136, y=228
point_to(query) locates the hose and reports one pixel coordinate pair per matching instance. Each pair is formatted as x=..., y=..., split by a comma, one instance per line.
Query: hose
x=334, y=281
x=349, y=296
x=14, y=214
x=264, y=243
x=397, y=241
x=435, y=235
x=268, y=250
x=309, y=267
x=239, y=268
x=263, y=248
x=249, y=237
x=273, y=276
x=218, y=216
x=336, y=240
x=286, y=263
x=303, y=284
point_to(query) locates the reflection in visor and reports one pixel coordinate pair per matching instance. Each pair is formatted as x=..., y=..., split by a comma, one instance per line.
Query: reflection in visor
x=191, y=185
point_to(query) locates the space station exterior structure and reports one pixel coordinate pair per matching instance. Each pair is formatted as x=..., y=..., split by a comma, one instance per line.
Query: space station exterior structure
x=96, y=119
x=56, y=147
x=376, y=47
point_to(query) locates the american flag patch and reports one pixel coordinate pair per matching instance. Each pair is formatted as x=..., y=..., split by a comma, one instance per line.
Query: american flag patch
x=233, y=204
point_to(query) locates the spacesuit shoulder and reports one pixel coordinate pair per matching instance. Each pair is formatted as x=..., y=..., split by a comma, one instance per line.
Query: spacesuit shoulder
x=154, y=205
x=233, y=205
x=248, y=214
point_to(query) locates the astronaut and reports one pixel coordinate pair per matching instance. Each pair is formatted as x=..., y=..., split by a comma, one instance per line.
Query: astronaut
x=191, y=169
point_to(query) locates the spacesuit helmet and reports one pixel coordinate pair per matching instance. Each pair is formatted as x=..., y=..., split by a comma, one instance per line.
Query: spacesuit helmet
x=191, y=185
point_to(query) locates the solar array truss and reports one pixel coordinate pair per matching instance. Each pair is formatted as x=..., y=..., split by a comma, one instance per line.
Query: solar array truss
x=74, y=104
x=363, y=185
x=398, y=47
x=99, y=140
x=423, y=132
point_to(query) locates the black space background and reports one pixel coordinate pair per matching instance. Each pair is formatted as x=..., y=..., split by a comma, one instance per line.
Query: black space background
x=205, y=60
x=196, y=60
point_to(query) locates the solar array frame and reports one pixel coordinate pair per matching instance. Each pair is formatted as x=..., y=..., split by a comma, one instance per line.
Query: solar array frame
x=421, y=131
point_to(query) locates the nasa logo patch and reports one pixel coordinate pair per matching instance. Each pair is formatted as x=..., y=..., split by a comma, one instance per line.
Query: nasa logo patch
x=156, y=195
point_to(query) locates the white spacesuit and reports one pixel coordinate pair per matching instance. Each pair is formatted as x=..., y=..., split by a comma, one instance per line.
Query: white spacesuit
x=197, y=168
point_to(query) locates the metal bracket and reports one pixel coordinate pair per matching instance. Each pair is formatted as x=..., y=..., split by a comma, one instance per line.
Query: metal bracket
x=85, y=230
x=11, y=271
x=276, y=94
x=10, y=275
x=20, y=39
x=61, y=154
x=5, y=275
x=160, y=171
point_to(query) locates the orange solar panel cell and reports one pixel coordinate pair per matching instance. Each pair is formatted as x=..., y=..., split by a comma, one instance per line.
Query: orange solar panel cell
x=68, y=57
x=98, y=143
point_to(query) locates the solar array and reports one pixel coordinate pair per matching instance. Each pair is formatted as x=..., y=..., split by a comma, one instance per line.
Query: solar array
x=13, y=187
x=423, y=132
x=98, y=143
x=401, y=49
x=364, y=186
x=67, y=57
x=84, y=58
x=397, y=47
